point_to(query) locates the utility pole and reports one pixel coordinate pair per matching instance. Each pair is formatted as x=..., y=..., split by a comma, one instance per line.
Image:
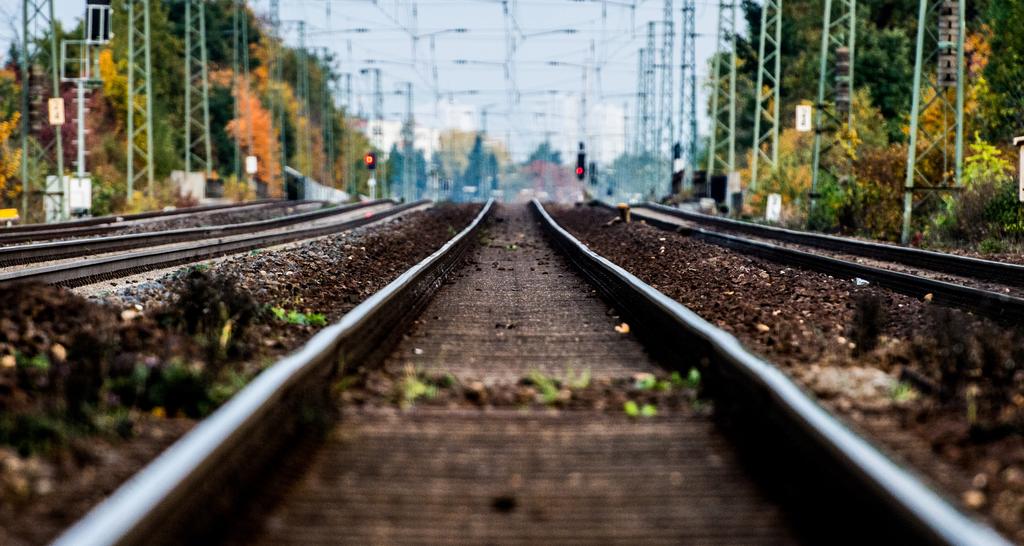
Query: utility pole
x=650, y=121
x=638, y=131
x=240, y=65
x=934, y=163
x=37, y=154
x=277, y=77
x=408, y=134
x=722, y=151
x=140, y=92
x=197, y=81
x=304, y=148
x=666, y=129
x=327, y=119
x=377, y=123
x=688, y=91
x=769, y=71
x=838, y=37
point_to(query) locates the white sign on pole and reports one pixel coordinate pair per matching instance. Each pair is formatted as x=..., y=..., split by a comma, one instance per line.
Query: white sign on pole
x=803, y=118
x=773, y=208
x=251, y=164
x=80, y=198
x=56, y=107
x=1019, y=142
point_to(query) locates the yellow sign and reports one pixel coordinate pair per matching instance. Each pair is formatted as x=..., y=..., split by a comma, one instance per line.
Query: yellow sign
x=56, y=111
x=8, y=214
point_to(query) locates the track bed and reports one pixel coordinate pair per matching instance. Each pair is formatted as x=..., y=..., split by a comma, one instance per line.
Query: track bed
x=899, y=384
x=494, y=465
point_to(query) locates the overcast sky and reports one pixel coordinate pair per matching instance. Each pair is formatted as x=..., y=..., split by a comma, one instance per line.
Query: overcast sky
x=616, y=38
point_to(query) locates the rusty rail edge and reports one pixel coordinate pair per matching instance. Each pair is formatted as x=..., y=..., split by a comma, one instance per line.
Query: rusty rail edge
x=121, y=220
x=52, y=250
x=964, y=266
x=84, y=272
x=997, y=306
x=780, y=415
x=193, y=478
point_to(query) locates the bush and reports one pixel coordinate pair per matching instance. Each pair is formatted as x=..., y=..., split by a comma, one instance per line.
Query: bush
x=988, y=208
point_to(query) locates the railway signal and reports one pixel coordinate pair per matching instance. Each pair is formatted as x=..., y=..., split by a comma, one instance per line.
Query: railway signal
x=370, y=160
x=581, y=163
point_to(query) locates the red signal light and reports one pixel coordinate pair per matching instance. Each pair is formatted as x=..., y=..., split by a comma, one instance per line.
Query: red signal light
x=579, y=172
x=370, y=159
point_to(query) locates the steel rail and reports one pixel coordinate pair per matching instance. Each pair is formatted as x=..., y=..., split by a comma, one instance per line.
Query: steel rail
x=997, y=306
x=122, y=219
x=202, y=472
x=775, y=408
x=53, y=250
x=953, y=264
x=87, y=271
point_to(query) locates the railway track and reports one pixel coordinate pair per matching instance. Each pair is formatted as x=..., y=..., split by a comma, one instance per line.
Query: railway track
x=983, y=299
x=108, y=224
x=780, y=469
x=953, y=264
x=55, y=250
x=87, y=271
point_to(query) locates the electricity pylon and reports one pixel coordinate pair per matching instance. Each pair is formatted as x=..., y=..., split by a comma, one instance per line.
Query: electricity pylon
x=666, y=129
x=650, y=110
x=408, y=135
x=934, y=163
x=197, y=148
x=722, y=151
x=303, y=144
x=765, y=148
x=276, y=77
x=688, y=91
x=327, y=120
x=38, y=154
x=838, y=55
x=139, y=151
x=240, y=65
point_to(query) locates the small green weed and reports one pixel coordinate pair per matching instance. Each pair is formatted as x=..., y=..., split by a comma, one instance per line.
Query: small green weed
x=299, y=318
x=632, y=409
x=38, y=362
x=413, y=387
x=548, y=386
x=580, y=381
x=992, y=246
x=903, y=392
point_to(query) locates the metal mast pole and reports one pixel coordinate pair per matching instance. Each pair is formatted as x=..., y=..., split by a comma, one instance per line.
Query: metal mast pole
x=940, y=35
x=139, y=151
x=840, y=33
x=767, y=91
x=235, y=62
x=723, y=97
x=688, y=91
x=650, y=106
x=276, y=77
x=327, y=120
x=638, y=130
x=37, y=18
x=666, y=130
x=303, y=149
x=197, y=81
x=408, y=134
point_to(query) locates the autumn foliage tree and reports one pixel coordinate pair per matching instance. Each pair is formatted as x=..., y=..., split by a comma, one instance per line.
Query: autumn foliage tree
x=10, y=157
x=252, y=130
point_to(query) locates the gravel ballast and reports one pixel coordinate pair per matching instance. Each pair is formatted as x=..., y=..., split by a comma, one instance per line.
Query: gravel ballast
x=941, y=389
